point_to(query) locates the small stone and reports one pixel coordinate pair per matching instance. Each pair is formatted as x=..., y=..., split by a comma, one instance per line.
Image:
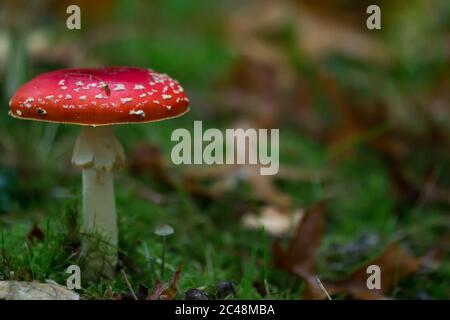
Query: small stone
x=196, y=294
x=225, y=289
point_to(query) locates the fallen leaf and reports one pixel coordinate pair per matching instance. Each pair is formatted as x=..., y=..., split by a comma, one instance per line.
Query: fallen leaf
x=171, y=291
x=21, y=290
x=35, y=234
x=425, y=190
x=299, y=257
x=156, y=292
x=321, y=34
x=395, y=263
x=166, y=291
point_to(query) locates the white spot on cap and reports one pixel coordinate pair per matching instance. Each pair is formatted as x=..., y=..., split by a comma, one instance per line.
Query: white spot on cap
x=155, y=101
x=100, y=96
x=10, y=102
x=41, y=111
x=19, y=112
x=27, y=102
x=76, y=89
x=125, y=100
x=166, y=96
x=165, y=89
x=80, y=83
x=68, y=96
x=61, y=82
x=119, y=87
x=142, y=95
x=140, y=113
x=63, y=88
x=168, y=107
x=83, y=98
x=49, y=97
x=151, y=83
x=138, y=87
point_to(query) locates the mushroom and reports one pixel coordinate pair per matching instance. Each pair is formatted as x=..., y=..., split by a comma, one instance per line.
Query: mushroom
x=96, y=99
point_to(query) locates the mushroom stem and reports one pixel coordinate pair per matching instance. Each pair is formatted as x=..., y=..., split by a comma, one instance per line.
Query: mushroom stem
x=98, y=153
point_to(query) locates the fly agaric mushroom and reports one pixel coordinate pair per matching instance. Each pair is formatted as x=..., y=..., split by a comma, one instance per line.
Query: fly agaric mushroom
x=97, y=99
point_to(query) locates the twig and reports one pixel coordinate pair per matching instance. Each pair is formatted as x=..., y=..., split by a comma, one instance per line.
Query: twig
x=129, y=285
x=323, y=288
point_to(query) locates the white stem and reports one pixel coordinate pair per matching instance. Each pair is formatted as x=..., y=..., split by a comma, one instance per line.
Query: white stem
x=99, y=207
x=98, y=152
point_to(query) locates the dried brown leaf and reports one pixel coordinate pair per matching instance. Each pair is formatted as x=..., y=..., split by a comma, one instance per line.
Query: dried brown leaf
x=35, y=234
x=299, y=257
x=166, y=291
x=395, y=263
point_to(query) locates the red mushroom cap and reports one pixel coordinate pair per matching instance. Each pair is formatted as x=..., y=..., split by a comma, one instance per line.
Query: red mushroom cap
x=99, y=96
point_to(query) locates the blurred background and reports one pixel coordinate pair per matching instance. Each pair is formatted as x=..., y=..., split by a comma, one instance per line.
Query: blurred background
x=364, y=120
